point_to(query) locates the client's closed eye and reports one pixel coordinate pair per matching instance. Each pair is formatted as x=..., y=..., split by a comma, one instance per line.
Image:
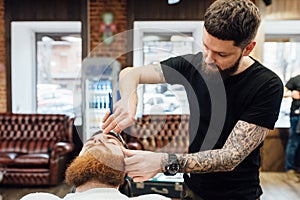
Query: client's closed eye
x=113, y=140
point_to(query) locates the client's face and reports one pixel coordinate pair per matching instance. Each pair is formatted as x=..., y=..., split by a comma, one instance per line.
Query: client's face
x=101, y=159
x=103, y=142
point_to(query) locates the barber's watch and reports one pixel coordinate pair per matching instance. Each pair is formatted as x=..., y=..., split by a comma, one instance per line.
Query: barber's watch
x=172, y=167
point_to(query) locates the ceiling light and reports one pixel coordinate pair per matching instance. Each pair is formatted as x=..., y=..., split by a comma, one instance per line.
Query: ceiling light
x=71, y=38
x=173, y=1
x=47, y=39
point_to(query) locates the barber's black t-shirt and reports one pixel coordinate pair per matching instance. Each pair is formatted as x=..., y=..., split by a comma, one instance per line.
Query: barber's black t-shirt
x=294, y=84
x=216, y=104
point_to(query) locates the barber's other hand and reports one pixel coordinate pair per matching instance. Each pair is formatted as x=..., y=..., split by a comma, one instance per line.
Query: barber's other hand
x=295, y=94
x=142, y=165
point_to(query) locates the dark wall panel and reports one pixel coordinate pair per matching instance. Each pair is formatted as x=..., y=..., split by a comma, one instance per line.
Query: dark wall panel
x=44, y=10
x=161, y=10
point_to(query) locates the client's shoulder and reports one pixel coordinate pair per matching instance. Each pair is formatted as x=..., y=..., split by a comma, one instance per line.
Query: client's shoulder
x=150, y=197
x=40, y=196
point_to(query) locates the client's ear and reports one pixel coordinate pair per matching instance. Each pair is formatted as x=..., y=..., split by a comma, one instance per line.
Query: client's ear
x=135, y=145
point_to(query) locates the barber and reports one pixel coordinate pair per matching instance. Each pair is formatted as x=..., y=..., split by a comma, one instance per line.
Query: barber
x=234, y=102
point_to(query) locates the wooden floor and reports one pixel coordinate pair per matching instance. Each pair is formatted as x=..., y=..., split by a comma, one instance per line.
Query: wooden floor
x=276, y=186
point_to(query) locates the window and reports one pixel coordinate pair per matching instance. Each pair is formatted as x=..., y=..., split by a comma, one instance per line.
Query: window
x=30, y=83
x=58, y=63
x=152, y=44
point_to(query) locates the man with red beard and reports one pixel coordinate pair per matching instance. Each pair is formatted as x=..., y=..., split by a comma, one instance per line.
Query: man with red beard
x=96, y=173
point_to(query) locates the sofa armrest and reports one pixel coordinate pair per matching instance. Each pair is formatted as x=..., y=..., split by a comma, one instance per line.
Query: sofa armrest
x=61, y=148
x=57, y=160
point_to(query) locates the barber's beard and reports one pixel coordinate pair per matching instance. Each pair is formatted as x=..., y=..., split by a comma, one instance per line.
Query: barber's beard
x=86, y=168
x=215, y=74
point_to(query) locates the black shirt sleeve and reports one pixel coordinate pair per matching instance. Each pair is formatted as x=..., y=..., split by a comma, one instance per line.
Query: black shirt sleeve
x=265, y=107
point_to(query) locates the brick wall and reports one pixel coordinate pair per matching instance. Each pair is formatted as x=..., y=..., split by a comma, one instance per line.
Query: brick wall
x=117, y=48
x=2, y=60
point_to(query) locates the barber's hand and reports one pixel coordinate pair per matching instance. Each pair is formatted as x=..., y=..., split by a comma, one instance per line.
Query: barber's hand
x=295, y=94
x=142, y=165
x=123, y=116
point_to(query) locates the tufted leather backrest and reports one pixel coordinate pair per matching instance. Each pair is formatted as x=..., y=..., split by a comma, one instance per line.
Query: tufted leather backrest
x=33, y=133
x=162, y=133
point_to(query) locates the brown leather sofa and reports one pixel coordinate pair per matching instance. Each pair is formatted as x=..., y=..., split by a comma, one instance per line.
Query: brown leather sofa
x=35, y=149
x=160, y=133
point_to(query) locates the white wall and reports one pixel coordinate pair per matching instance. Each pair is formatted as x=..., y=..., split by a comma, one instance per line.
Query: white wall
x=22, y=69
x=282, y=27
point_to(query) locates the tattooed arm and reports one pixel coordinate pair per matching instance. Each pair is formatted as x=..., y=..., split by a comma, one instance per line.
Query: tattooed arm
x=243, y=139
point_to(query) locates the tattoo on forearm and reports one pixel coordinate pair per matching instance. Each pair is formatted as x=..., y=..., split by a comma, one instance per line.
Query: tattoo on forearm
x=243, y=139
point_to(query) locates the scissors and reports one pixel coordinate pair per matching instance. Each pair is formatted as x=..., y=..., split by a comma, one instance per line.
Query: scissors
x=112, y=132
